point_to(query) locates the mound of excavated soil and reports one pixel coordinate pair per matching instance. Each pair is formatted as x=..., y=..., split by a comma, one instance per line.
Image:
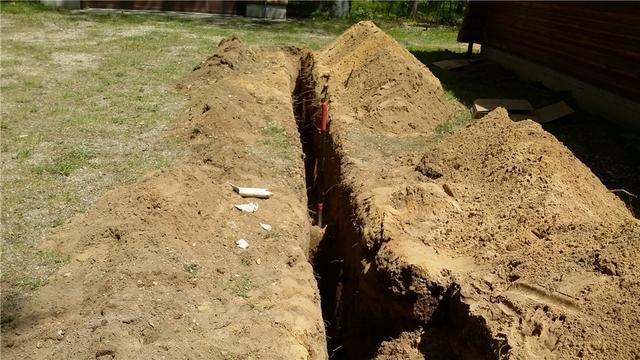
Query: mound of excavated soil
x=378, y=82
x=521, y=186
x=490, y=242
x=563, y=251
x=154, y=269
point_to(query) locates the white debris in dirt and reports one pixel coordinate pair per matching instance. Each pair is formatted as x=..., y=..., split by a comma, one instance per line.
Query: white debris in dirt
x=242, y=243
x=266, y=226
x=258, y=261
x=252, y=192
x=250, y=207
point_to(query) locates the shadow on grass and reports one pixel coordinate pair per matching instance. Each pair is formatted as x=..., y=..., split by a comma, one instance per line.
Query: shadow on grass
x=612, y=153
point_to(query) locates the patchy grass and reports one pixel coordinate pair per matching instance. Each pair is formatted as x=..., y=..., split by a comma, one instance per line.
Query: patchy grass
x=86, y=102
x=276, y=138
x=191, y=268
x=65, y=164
x=459, y=119
x=242, y=285
x=52, y=256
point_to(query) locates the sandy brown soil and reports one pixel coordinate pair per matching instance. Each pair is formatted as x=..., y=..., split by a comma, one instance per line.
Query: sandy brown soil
x=381, y=85
x=491, y=242
x=155, y=271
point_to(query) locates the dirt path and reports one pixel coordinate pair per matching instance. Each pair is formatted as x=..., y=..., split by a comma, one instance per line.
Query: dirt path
x=155, y=270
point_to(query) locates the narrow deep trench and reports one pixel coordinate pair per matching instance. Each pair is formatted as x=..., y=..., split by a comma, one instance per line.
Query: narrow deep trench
x=359, y=310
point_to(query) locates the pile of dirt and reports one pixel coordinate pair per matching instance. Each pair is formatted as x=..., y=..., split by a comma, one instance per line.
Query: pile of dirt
x=490, y=242
x=520, y=204
x=520, y=185
x=154, y=269
x=374, y=79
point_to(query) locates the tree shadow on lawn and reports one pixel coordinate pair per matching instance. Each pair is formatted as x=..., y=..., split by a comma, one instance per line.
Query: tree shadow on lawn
x=612, y=153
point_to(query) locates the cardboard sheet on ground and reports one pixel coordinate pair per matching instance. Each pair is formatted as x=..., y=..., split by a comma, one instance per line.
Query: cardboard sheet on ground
x=482, y=107
x=454, y=64
x=552, y=112
x=520, y=117
x=520, y=109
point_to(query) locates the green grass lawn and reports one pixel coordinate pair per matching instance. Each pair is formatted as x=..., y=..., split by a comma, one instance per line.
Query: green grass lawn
x=86, y=102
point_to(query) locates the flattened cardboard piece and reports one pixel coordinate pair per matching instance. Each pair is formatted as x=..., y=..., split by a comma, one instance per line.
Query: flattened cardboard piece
x=454, y=64
x=481, y=107
x=521, y=117
x=553, y=112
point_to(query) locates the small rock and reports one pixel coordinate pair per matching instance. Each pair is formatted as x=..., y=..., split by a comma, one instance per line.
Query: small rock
x=609, y=268
x=60, y=335
x=67, y=274
x=447, y=189
x=105, y=352
x=242, y=243
x=429, y=170
x=128, y=320
x=258, y=261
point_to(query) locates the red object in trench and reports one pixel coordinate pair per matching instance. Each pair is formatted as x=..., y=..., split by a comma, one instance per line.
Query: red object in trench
x=325, y=112
x=323, y=135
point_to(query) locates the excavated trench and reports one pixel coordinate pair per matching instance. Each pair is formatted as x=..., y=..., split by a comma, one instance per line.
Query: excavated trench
x=359, y=307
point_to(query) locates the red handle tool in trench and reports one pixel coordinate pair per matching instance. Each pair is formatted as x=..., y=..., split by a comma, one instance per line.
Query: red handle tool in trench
x=323, y=136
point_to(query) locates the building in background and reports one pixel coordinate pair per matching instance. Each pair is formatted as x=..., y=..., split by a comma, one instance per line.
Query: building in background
x=589, y=48
x=272, y=9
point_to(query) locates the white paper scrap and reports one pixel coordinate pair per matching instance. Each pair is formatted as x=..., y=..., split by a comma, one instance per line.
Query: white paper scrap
x=242, y=244
x=252, y=192
x=249, y=207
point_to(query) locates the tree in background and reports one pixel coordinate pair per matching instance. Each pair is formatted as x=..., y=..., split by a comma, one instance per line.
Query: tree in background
x=341, y=8
x=414, y=9
x=429, y=12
